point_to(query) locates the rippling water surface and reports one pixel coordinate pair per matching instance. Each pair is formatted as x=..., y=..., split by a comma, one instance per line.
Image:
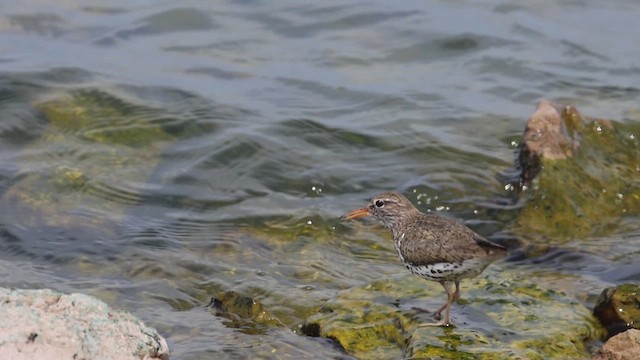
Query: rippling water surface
x=155, y=153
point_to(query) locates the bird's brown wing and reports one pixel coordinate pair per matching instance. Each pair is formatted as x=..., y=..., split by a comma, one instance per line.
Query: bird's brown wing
x=433, y=239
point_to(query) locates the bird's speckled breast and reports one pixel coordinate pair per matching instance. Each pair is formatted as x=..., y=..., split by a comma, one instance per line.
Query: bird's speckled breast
x=443, y=271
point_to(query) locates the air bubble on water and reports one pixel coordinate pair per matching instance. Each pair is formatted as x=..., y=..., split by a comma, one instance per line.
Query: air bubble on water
x=619, y=198
x=426, y=201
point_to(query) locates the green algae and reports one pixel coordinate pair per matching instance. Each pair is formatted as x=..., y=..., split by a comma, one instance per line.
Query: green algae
x=91, y=154
x=619, y=307
x=503, y=317
x=100, y=117
x=627, y=298
x=243, y=311
x=587, y=193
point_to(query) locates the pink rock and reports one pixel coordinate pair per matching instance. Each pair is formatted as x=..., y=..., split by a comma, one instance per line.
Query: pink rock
x=624, y=346
x=43, y=324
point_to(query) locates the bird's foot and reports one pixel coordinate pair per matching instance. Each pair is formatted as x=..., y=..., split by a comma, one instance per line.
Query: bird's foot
x=436, y=315
x=439, y=323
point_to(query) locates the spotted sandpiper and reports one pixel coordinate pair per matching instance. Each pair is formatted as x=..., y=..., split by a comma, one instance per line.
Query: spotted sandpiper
x=431, y=246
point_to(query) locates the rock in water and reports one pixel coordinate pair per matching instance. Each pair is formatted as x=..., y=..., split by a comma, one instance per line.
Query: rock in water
x=618, y=308
x=580, y=175
x=44, y=324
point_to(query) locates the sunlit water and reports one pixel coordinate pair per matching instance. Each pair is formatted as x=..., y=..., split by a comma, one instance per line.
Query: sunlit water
x=276, y=118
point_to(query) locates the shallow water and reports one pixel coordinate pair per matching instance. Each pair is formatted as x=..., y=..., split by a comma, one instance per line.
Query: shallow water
x=257, y=124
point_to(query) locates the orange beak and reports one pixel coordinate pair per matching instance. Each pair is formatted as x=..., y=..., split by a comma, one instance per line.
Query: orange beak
x=358, y=213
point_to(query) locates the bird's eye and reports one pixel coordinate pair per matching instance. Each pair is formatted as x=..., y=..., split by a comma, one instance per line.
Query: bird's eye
x=379, y=203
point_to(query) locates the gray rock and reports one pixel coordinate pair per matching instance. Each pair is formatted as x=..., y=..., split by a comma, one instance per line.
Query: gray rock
x=44, y=324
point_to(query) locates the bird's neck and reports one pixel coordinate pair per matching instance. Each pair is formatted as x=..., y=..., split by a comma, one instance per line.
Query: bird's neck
x=399, y=224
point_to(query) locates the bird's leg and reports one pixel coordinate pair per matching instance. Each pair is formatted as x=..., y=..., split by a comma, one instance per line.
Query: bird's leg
x=438, y=313
x=446, y=321
x=446, y=307
x=456, y=294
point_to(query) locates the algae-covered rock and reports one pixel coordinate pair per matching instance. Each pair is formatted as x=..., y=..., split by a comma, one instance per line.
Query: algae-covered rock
x=243, y=311
x=497, y=318
x=100, y=117
x=581, y=175
x=94, y=152
x=618, y=308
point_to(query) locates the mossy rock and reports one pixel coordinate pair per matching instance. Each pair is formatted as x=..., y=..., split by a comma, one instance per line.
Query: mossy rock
x=84, y=165
x=243, y=311
x=587, y=176
x=101, y=117
x=500, y=316
x=618, y=308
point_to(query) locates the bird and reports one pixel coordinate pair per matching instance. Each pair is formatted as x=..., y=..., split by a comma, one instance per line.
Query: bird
x=431, y=246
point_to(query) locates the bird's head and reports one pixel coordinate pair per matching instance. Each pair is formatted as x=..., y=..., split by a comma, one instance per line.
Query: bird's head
x=389, y=207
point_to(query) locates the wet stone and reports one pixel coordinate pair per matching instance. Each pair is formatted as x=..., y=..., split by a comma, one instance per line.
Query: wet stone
x=580, y=175
x=618, y=308
x=242, y=311
x=500, y=316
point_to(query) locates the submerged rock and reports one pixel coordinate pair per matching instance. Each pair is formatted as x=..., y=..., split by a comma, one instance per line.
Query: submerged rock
x=93, y=153
x=44, y=324
x=243, y=311
x=624, y=346
x=618, y=308
x=581, y=175
x=496, y=319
